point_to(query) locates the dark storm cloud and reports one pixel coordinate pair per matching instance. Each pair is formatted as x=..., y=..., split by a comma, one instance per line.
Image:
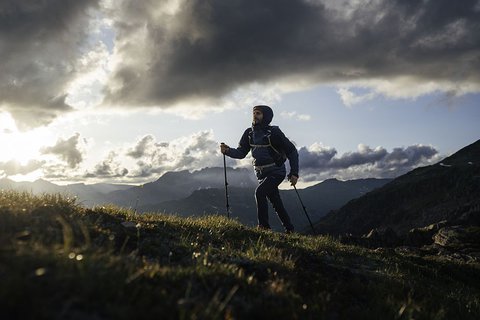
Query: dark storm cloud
x=409, y=156
x=39, y=47
x=67, y=150
x=13, y=167
x=316, y=158
x=318, y=163
x=206, y=49
x=366, y=155
x=168, y=51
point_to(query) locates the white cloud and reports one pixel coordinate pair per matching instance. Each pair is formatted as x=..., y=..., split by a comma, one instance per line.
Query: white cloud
x=109, y=168
x=295, y=115
x=349, y=98
x=85, y=91
x=405, y=87
x=14, y=167
x=149, y=158
x=304, y=117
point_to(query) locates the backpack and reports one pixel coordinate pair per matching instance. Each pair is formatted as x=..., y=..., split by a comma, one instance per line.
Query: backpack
x=275, y=149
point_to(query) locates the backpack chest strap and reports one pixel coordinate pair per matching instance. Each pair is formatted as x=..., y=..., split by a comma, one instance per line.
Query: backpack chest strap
x=269, y=145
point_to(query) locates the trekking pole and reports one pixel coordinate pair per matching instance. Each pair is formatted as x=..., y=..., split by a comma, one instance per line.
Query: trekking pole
x=304, y=209
x=226, y=185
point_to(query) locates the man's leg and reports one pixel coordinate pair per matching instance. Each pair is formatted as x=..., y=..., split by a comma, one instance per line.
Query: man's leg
x=262, y=203
x=268, y=188
x=277, y=203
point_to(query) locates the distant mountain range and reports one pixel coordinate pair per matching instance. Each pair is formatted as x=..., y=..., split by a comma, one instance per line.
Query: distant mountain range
x=170, y=186
x=180, y=184
x=203, y=192
x=319, y=199
x=447, y=192
x=87, y=195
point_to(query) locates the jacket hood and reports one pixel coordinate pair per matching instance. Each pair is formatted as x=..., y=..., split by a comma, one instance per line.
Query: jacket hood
x=267, y=114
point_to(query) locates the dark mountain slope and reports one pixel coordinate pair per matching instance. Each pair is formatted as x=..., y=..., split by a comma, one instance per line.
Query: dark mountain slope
x=448, y=190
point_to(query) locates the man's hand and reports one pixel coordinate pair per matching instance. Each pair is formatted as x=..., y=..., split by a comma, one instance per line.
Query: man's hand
x=223, y=148
x=293, y=180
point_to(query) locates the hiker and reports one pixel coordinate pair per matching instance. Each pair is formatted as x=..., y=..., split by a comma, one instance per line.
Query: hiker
x=270, y=149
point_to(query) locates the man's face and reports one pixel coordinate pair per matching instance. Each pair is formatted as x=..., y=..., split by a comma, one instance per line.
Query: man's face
x=257, y=116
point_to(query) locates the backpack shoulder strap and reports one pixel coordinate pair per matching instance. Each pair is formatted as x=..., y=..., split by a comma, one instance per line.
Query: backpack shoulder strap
x=250, y=136
x=275, y=139
x=273, y=132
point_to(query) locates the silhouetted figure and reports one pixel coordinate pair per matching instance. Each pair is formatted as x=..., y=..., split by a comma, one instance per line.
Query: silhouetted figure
x=270, y=149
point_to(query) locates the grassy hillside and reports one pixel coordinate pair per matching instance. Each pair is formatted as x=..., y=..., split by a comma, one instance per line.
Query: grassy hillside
x=59, y=260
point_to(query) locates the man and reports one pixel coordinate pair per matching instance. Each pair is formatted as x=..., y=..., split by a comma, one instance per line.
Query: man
x=270, y=149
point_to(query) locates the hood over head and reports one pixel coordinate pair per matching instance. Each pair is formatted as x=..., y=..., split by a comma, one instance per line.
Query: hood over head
x=267, y=114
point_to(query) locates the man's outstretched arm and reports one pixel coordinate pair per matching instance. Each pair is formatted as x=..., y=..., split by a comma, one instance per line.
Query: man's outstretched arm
x=240, y=152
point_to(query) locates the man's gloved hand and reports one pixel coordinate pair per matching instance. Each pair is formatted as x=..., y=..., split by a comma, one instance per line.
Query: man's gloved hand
x=293, y=179
x=224, y=148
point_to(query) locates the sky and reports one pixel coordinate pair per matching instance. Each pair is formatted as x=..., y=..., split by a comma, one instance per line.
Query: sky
x=122, y=91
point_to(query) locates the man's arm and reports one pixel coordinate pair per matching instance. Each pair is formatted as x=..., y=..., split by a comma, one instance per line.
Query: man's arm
x=290, y=151
x=243, y=148
x=293, y=160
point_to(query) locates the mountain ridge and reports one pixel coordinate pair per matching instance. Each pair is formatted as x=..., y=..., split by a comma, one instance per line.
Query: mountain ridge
x=447, y=190
x=319, y=199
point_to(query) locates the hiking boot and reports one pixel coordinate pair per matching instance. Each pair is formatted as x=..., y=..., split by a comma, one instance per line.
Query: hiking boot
x=263, y=227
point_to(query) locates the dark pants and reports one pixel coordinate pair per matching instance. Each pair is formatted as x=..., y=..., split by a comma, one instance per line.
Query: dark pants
x=268, y=188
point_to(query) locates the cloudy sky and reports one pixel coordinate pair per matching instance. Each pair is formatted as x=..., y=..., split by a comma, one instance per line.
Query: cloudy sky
x=125, y=90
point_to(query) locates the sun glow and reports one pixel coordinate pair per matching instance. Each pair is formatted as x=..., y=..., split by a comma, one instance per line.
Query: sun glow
x=20, y=146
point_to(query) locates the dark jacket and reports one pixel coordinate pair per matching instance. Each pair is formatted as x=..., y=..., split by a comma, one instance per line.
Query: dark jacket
x=257, y=135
